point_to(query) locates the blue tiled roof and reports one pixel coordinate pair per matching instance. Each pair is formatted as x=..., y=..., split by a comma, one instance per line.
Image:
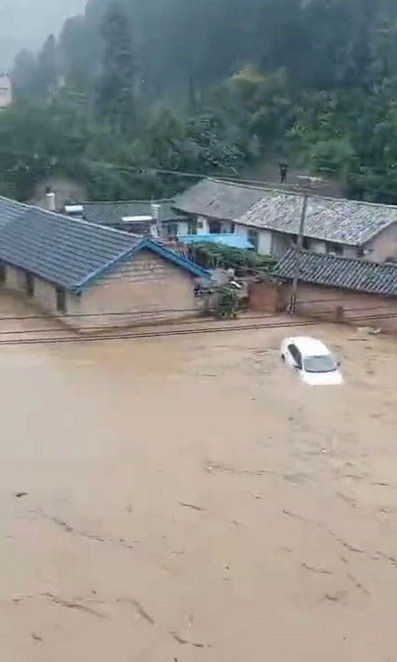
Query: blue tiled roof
x=68, y=252
x=230, y=240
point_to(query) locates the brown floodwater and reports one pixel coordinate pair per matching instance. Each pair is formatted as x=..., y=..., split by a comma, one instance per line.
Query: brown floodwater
x=188, y=499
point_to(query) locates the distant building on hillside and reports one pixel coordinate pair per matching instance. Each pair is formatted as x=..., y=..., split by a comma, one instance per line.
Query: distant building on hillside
x=5, y=90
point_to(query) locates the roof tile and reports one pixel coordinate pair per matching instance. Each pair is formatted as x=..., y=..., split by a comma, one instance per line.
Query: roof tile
x=336, y=271
x=60, y=249
x=112, y=213
x=69, y=252
x=348, y=222
x=219, y=200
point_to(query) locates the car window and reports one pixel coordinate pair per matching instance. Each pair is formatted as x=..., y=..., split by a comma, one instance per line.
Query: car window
x=325, y=363
x=296, y=355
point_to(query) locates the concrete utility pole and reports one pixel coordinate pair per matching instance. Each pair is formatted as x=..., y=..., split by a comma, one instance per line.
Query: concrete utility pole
x=298, y=250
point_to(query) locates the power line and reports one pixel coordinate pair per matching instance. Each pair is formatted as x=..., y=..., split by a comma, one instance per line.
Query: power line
x=143, y=313
x=156, y=334
x=131, y=335
x=288, y=188
x=102, y=314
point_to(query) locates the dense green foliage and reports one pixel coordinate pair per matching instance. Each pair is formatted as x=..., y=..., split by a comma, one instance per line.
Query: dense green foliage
x=215, y=256
x=115, y=98
x=211, y=86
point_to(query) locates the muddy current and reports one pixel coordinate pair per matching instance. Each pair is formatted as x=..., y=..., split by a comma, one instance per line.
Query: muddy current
x=188, y=499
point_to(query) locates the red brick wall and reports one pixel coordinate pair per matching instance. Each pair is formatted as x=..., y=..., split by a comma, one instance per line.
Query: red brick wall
x=265, y=297
x=329, y=304
x=351, y=307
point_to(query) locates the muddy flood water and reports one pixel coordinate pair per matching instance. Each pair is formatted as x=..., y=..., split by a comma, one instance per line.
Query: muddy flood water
x=187, y=499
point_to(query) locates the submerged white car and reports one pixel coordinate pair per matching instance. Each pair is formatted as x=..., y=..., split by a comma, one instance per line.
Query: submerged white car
x=312, y=360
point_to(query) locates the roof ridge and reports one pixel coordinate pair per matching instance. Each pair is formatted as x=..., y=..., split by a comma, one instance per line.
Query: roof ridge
x=257, y=187
x=341, y=258
x=123, y=202
x=267, y=186
x=14, y=202
x=325, y=270
x=81, y=221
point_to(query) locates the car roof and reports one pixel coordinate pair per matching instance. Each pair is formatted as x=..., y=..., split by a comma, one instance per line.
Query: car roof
x=310, y=346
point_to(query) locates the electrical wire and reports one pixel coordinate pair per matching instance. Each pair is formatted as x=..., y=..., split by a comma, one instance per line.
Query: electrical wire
x=164, y=311
x=154, y=334
x=102, y=314
x=134, y=335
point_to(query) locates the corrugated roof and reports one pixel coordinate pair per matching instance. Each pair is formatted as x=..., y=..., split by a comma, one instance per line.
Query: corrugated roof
x=336, y=271
x=339, y=221
x=112, y=213
x=69, y=252
x=219, y=200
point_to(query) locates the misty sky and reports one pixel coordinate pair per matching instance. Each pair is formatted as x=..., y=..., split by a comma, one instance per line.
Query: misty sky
x=26, y=23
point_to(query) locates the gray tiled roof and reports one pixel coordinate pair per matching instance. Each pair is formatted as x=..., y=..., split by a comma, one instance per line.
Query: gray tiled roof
x=62, y=250
x=339, y=221
x=219, y=200
x=70, y=252
x=112, y=213
x=10, y=210
x=336, y=220
x=335, y=271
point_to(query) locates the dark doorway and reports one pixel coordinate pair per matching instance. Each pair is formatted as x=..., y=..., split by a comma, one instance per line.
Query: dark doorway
x=214, y=227
x=61, y=300
x=29, y=284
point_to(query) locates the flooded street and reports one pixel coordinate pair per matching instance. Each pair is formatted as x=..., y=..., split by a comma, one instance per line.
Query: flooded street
x=188, y=499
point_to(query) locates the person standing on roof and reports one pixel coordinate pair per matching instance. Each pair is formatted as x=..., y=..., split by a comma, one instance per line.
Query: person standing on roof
x=283, y=172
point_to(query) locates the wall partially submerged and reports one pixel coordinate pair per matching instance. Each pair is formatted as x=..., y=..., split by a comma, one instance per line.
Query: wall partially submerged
x=144, y=290
x=328, y=304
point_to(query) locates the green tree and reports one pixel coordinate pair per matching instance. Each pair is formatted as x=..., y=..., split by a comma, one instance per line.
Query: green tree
x=24, y=75
x=116, y=87
x=47, y=69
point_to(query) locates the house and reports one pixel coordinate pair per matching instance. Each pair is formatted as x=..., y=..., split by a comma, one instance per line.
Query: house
x=269, y=219
x=336, y=226
x=5, y=90
x=214, y=206
x=155, y=217
x=336, y=287
x=89, y=275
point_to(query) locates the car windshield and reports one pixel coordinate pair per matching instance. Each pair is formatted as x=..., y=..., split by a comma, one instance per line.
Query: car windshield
x=325, y=363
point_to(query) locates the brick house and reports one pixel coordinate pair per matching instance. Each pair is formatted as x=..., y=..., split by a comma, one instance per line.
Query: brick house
x=214, y=206
x=91, y=275
x=340, y=289
x=269, y=219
